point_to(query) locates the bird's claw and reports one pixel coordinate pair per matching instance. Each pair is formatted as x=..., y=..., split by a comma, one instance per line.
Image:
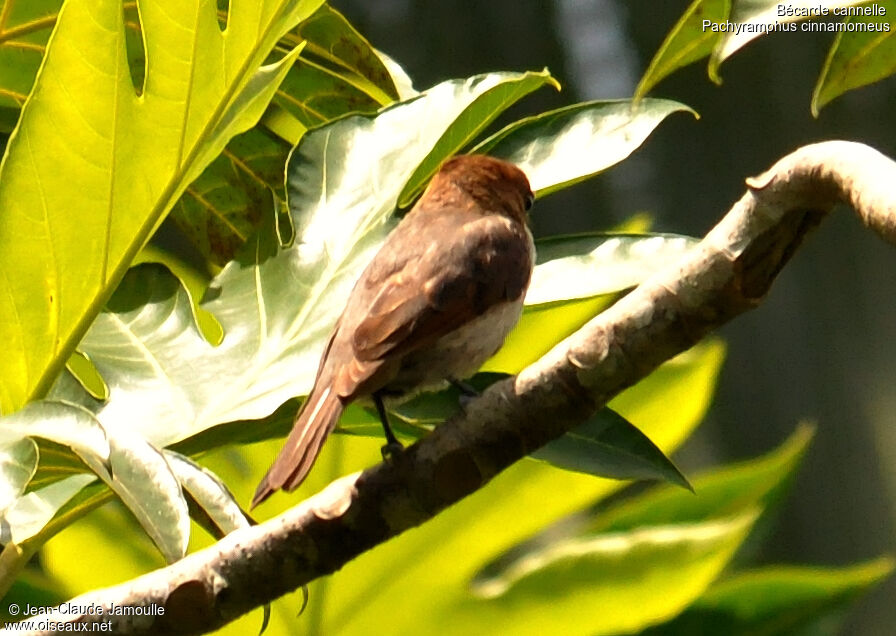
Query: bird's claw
x=467, y=393
x=391, y=450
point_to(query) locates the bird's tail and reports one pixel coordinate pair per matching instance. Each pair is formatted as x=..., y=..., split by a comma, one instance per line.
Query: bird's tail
x=313, y=424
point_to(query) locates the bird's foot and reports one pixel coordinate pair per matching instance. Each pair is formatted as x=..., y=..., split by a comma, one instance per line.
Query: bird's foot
x=467, y=393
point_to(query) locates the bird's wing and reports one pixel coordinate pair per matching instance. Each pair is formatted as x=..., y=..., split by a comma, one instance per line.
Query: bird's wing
x=428, y=297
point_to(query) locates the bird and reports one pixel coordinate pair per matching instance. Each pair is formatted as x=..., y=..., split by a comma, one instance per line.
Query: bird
x=435, y=302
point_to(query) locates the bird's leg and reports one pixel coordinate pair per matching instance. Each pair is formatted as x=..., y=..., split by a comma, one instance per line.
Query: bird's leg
x=467, y=392
x=393, y=446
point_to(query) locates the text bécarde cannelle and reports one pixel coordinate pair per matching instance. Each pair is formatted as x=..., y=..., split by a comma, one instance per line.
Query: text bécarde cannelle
x=790, y=11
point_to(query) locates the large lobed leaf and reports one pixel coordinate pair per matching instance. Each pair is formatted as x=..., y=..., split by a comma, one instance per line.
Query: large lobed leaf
x=575, y=278
x=338, y=72
x=166, y=383
x=92, y=168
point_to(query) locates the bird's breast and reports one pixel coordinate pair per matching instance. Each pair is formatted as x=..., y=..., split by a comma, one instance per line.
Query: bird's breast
x=458, y=354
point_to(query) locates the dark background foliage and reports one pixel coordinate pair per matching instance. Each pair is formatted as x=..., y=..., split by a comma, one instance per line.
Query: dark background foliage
x=823, y=346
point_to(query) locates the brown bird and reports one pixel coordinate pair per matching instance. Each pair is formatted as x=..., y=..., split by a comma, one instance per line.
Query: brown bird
x=435, y=302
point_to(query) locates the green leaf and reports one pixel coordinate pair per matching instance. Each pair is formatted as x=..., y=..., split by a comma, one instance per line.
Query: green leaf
x=80, y=367
x=81, y=500
x=775, y=600
x=757, y=483
x=56, y=461
x=70, y=425
x=488, y=105
x=79, y=206
x=540, y=328
x=209, y=492
x=561, y=147
x=593, y=264
x=32, y=511
x=193, y=278
x=402, y=81
x=688, y=41
x=18, y=463
x=132, y=468
x=423, y=412
x=636, y=579
x=145, y=482
x=750, y=19
x=688, y=381
x=25, y=28
x=144, y=346
x=608, y=445
x=575, y=278
x=633, y=537
x=28, y=516
x=858, y=58
x=719, y=28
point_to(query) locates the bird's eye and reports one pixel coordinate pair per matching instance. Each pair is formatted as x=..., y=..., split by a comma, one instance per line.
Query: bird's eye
x=530, y=199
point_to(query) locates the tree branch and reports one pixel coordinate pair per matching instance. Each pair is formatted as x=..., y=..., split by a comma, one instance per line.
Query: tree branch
x=728, y=273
